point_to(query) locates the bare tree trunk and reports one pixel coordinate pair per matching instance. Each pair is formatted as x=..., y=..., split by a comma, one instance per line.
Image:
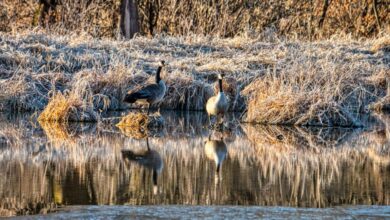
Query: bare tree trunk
x=376, y=15
x=129, y=18
x=324, y=10
x=46, y=17
x=153, y=10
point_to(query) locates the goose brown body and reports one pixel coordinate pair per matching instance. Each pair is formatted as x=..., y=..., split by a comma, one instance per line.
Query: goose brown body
x=218, y=105
x=149, y=94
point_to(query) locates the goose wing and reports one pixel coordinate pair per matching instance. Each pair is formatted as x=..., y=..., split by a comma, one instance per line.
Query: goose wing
x=148, y=91
x=145, y=92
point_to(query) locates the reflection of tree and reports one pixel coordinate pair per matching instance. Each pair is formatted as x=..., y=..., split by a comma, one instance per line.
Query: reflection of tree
x=274, y=166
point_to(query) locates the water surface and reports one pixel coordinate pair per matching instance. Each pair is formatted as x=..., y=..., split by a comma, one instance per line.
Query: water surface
x=48, y=167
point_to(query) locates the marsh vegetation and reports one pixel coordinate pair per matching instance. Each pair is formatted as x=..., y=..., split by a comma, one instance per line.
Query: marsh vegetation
x=307, y=84
x=275, y=81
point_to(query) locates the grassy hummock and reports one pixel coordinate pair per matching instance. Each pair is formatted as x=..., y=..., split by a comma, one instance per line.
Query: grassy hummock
x=327, y=82
x=68, y=108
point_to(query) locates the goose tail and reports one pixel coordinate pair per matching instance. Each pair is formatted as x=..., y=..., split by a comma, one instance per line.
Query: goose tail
x=131, y=98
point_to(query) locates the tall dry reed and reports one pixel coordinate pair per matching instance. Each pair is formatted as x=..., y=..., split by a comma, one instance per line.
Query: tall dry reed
x=303, y=19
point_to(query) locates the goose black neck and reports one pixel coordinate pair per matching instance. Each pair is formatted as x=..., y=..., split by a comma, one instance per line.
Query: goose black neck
x=155, y=176
x=147, y=144
x=158, y=77
x=220, y=85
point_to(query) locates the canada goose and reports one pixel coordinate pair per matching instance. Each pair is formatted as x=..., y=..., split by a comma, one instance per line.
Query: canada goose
x=218, y=104
x=149, y=159
x=216, y=150
x=149, y=94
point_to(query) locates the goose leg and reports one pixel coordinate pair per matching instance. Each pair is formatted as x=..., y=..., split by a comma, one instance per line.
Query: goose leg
x=209, y=120
x=147, y=143
x=148, y=108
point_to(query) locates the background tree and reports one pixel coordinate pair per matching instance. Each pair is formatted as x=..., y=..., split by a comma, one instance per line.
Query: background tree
x=129, y=18
x=47, y=16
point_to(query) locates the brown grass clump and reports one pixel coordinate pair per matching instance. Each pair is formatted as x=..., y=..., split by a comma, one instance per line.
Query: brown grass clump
x=137, y=125
x=186, y=93
x=381, y=44
x=67, y=108
x=294, y=108
x=56, y=131
x=321, y=85
x=23, y=91
x=66, y=133
x=382, y=105
x=107, y=89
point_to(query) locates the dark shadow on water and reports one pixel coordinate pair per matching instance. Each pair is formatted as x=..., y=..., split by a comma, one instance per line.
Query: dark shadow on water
x=44, y=166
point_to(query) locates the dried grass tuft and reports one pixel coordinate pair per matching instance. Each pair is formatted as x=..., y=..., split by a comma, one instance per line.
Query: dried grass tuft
x=317, y=85
x=294, y=108
x=382, y=80
x=383, y=105
x=56, y=131
x=186, y=93
x=138, y=125
x=381, y=44
x=67, y=108
x=142, y=121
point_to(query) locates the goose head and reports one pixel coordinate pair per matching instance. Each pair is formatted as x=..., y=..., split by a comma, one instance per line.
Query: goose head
x=221, y=75
x=160, y=66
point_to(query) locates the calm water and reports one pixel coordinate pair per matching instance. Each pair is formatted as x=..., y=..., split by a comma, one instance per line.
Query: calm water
x=50, y=166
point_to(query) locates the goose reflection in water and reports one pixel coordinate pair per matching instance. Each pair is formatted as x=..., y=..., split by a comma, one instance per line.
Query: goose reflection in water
x=149, y=159
x=216, y=151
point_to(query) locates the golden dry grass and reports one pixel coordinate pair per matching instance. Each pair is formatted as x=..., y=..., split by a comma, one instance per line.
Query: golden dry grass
x=56, y=131
x=303, y=19
x=186, y=93
x=325, y=83
x=68, y=108
x=138, y=125
x=322, y=85
x=382, y=44
x=382, y=105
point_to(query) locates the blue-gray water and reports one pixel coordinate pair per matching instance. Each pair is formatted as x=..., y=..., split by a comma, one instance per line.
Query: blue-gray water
x=264, y=171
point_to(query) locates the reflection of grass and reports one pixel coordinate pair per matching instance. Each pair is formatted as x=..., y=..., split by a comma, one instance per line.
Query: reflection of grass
x=133, y=132
x=295, y=169
x=140, y=125
x=66, y=132
x=56, y=131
